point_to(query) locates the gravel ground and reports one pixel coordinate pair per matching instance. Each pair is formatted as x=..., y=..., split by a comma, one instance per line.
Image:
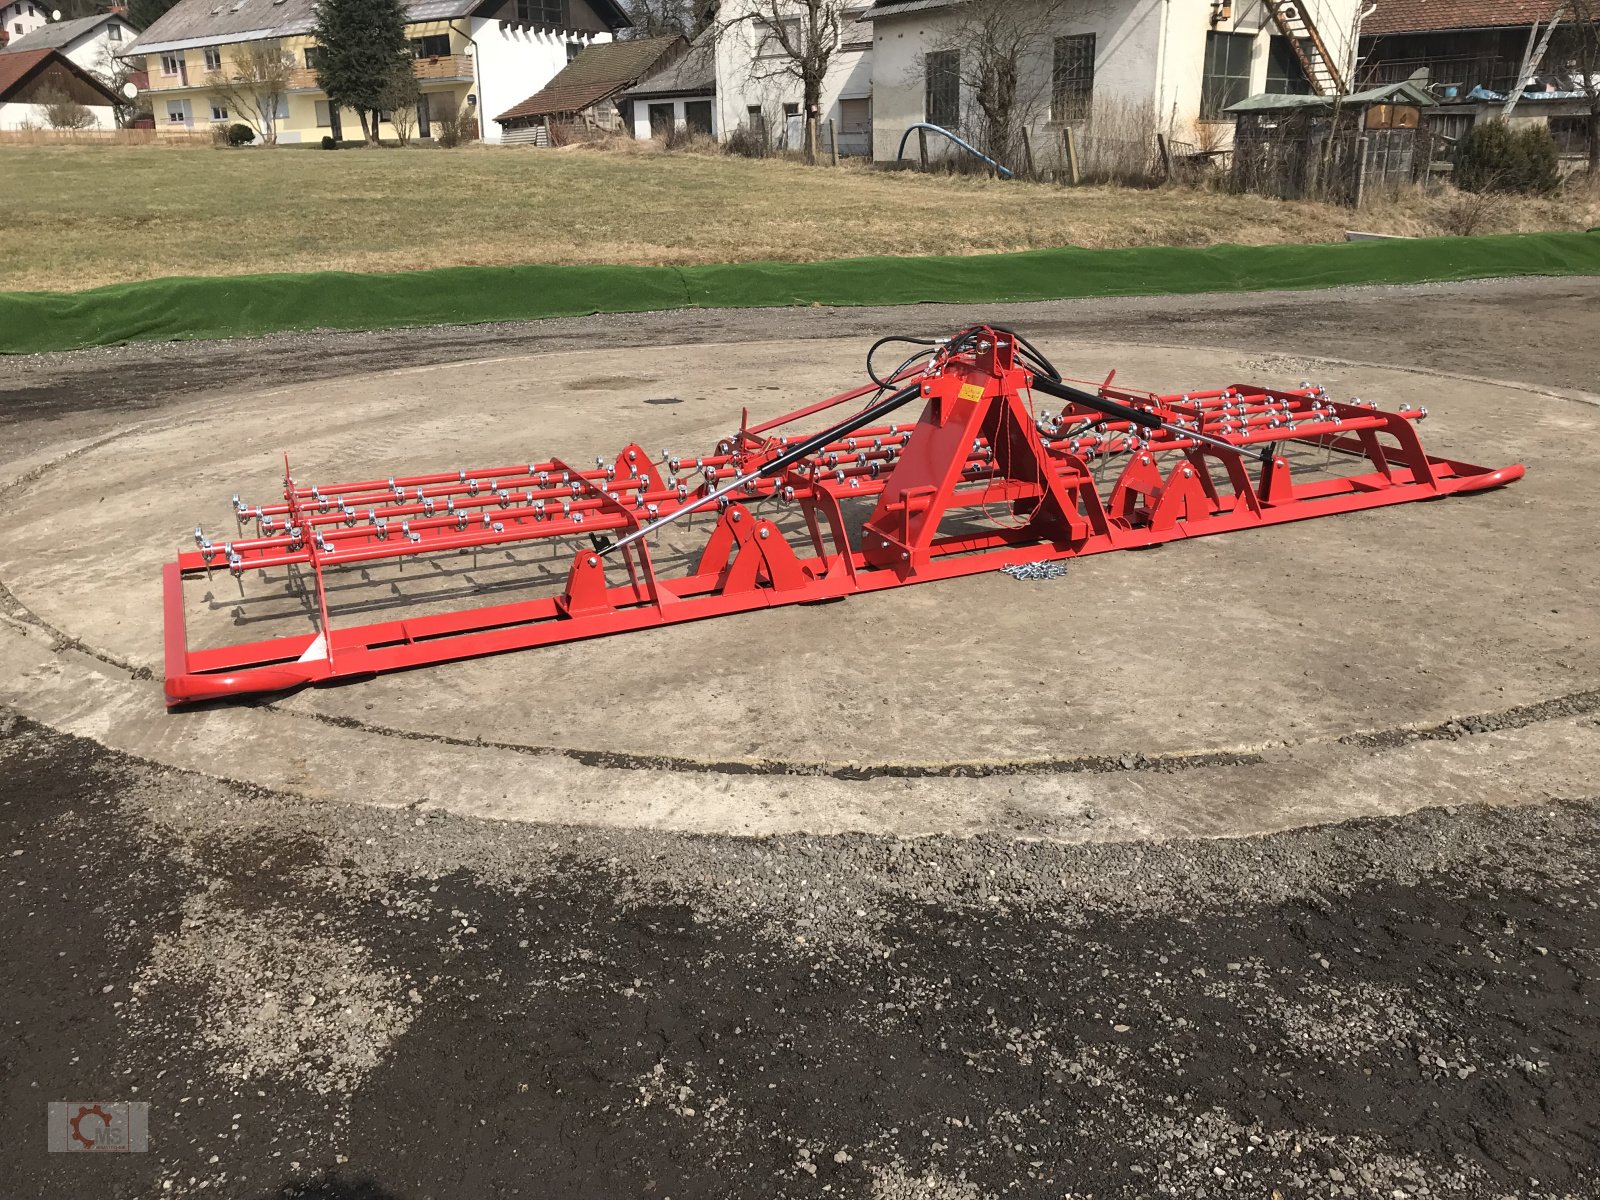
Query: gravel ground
x=399, y=1005
x=343, y=1002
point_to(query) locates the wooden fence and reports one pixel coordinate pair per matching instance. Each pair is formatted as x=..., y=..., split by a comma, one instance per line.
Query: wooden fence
x=104, y=137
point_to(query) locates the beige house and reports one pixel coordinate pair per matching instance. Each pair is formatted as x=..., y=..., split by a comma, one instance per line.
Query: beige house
x=475, y=57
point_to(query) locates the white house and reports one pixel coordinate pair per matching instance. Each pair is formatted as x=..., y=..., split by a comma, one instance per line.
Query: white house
x=476, y=57
x=90, y=42
x=18, y=18
x=756, y=89
x=1170, y=65
x=682, y=94
x=31, y=79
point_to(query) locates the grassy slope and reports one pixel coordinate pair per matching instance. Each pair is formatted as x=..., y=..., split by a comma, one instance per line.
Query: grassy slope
x=107, y=215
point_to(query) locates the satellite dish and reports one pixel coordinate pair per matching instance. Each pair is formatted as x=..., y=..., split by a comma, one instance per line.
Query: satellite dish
x=130, y=91
x=55, y=14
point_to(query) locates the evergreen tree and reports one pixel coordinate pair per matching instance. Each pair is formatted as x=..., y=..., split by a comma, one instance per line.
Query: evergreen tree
x=363, y=44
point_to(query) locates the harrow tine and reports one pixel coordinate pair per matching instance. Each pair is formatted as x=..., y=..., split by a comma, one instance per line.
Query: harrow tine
x=979, y=481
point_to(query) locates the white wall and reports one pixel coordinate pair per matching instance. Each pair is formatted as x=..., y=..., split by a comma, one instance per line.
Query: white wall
x=29, y=14
x=744, y=80
x=514, y=62
x=1149, y=54
x=93, y=54
x=26, y=116
x=641, y=113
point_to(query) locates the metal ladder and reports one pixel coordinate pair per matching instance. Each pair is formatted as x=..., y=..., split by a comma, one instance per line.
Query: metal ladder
x=1295, y=23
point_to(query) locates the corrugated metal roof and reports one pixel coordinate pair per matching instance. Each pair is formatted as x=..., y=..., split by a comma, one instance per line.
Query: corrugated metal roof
x=1428, y=16
x=693, y=73
x=1389, y=93
x=898, y=8
x=601, y=71
x=61, y=34
x=214, y=22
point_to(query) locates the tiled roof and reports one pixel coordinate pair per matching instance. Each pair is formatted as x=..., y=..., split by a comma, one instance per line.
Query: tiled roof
x=1426, y=16
x=17, y=68
x=203, y=22
x=692, y=73
x=58, y=35
x=14, y=66
x=602, y=70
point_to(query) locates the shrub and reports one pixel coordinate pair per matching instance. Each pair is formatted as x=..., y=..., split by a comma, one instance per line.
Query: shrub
x=328, y=143
x=1538, y=146
x=448, y=127
x=240, y=135
x=1496, y=158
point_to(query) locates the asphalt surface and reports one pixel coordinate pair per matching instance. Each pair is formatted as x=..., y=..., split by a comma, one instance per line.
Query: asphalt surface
x=337, y=1000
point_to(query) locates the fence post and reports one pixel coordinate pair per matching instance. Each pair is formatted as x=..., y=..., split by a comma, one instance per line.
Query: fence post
x=1361, y=171
x=1074, y=175
x=833, y=141
x=922, y=147
x=1027, y=153
x=1165, y=152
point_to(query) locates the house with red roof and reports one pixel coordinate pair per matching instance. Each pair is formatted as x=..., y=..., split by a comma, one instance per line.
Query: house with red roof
x=1472, y=54
x=31, y=79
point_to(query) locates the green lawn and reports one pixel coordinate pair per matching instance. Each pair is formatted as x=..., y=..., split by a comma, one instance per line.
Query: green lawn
x=103, y=215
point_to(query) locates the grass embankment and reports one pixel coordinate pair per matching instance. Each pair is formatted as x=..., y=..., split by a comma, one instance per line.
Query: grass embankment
x=99, y=215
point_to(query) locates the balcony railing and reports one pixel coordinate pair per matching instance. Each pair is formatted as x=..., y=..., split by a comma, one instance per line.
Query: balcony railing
x=304, y=79
x=445, y=66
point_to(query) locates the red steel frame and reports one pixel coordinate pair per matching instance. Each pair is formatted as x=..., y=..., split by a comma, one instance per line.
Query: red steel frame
x=976, y=448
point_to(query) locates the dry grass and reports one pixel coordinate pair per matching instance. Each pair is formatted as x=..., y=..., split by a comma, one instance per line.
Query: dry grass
x=103, y=215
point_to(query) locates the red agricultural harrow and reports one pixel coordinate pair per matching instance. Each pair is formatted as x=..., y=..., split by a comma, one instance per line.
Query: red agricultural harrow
x=971, y=478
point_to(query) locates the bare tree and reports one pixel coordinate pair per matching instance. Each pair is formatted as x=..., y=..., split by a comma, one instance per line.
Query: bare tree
x=61, y=111
x=663, y=18
x=253, y=85
x=795, y=39
x=400, y=99
x=1013, y=69
x=1581, y=49
x=116, y=73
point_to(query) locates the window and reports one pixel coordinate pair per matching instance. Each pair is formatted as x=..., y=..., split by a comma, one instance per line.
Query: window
x=697, y=116
x=1227, y=77
x=176, y=114
x=1571, y=134
x=1285, y=75
x=324, y=115
x=662, y=119
x=424, y=118
x=213, y=58
x=768, y=44
x=1072, y=78
x=573, y=50
x=753, y=118
x=219, y=111
x=435, y=45
x=942, y=101
x=542, y=12
x=313, y=57
x=114, y=32
x=171, y=64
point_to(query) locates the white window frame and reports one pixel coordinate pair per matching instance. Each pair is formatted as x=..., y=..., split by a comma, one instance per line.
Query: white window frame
x=213, y=56
x=172, y=63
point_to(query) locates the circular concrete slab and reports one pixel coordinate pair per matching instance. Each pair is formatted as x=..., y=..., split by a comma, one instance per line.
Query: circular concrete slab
x=1302, y=633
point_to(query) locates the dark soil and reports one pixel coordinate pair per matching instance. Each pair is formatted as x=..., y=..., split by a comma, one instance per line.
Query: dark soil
x=1350, y=1011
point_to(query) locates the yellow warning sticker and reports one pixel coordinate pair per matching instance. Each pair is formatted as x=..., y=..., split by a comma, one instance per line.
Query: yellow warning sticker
x=971, y=391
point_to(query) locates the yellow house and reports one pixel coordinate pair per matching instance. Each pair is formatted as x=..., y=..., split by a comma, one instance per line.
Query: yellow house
x=477, y=57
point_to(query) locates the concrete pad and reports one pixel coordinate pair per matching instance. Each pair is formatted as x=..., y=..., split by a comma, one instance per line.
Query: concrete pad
x=1281, y=640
